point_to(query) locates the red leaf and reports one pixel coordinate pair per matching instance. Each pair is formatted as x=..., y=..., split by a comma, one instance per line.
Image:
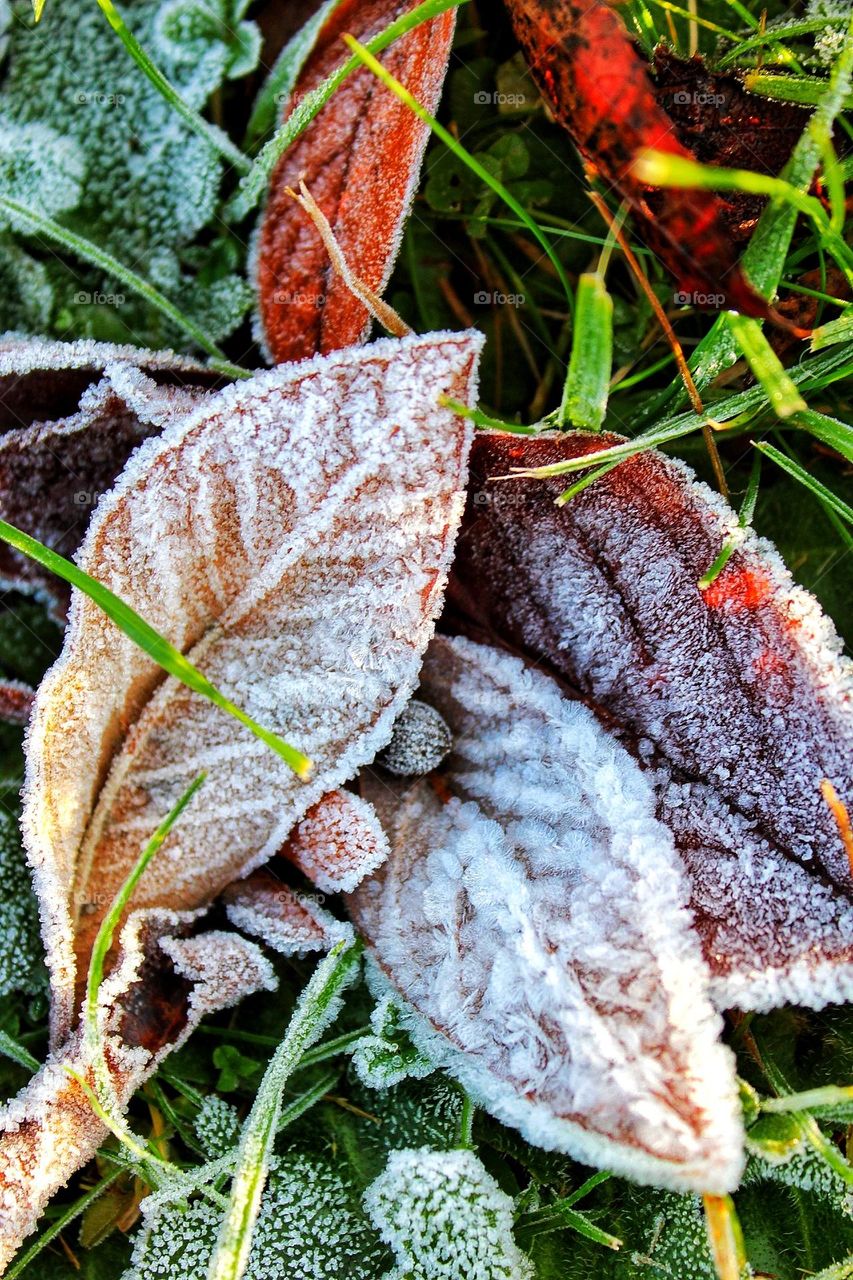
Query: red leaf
x=600, y=90
x=736, y=698
x=360, y=159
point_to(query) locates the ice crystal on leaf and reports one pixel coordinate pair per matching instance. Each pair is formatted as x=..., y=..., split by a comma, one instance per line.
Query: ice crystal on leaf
x=20, y=946
x=70, y=416
x=217, y=1126
x=338, y=842
x=289, y=922
x=360, y=158
x=736, y=700
x=535, y=915
x=151, y=184
x=445, y=1217
x=310, y=1225
x=388, y=1055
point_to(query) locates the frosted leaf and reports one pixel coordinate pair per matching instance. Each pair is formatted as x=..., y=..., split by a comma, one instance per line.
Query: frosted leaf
x=289, y=922
x=310, y=1225
x=445, y=1217
x=39, y=168
x=388, y=1055
x=16, y=701
x=296, y=518
x=360, y=158
x=20, y=946
x=807, y=1171
x=217, y=1126
x=150, y=1007
x=534, y=914
x=70, y=415
x=736, y=699
x=151, y=184
x=419, y=743
x=26, y=294
x=338, y=842
x=670, y=1239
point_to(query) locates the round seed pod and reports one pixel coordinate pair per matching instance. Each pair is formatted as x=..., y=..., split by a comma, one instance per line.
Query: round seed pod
x=419, y=743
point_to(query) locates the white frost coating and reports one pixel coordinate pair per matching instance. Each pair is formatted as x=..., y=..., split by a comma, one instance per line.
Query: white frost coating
x=21, y=354
x=289, y=922
x=537, y=921
x=338, y=842
x=295, y=523
x=445, y=1217
x=49, y=1129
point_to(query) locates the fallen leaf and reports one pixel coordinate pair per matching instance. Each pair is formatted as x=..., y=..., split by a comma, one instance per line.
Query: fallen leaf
x=70, y=416
x=535, y=915
x=289, y=922
x=292, y=537
x=162, y=988
x=599, y=87
x=360, y=157
x=337, y=843
x=736, y=699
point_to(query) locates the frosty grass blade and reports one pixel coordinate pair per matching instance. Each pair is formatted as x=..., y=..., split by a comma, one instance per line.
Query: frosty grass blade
x=536, y=920
x=736, y=699
x=49, y=1130
x=70, y=416
x=360, y=158
x=292, y=537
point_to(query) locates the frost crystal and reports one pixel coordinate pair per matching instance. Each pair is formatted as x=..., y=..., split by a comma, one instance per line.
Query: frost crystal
x=537, y=920
x=310, y=1225
x=419, y=743
x=388, y=1056
x=445, y=1217
x=217, y=1126
x=737, y=699
x=20, y=948
x=338, y=842
x=151, y=183
x=268, y=534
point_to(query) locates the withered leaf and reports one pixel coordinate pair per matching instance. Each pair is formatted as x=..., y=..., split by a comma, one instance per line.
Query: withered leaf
x=70, y=416
x=737, y=699
x=285, y=920
x=292, y=536
x=360, y=158
x=533, y=910
x=599, y=88
x=163, y=986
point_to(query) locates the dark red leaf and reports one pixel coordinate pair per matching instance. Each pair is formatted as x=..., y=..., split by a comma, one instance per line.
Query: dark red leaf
x=737, y=698
x=600, y=90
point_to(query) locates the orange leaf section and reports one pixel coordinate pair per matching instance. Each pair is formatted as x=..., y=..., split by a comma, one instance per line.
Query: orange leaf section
x=360, y=158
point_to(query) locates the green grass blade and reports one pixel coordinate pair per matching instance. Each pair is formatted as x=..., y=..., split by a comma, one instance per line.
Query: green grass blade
x=33, y=223
x=838, y=435
x=363, y=54
x=832, y=500
x=280, y=82
x=110, y=922
x=253, y=185
x=803, y=90
x=215, y=137
x=150, y=641
x=558, y=1217
x=745, y=517
x=834, y=331
x=10, y=1048
x=591, y=360
x=317, y=1006
x=781, y=391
